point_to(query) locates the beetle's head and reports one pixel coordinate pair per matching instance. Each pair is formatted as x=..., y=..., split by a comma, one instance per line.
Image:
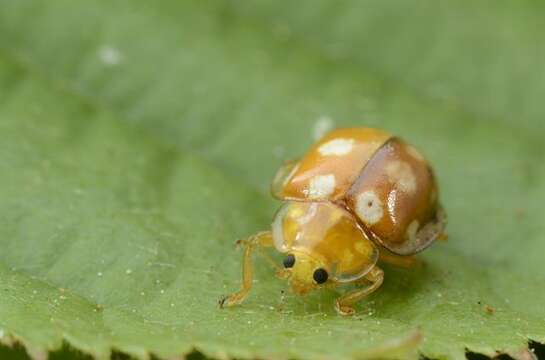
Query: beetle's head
x=322, y=244
x=304, y=272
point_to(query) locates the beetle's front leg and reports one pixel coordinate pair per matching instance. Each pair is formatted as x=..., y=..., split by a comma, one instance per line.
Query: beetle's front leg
x=260, y=239
x=344, y=304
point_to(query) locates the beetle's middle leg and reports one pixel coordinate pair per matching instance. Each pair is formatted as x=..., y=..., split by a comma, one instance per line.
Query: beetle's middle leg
x=344, y=304
x=262, y=239
x=409, y=261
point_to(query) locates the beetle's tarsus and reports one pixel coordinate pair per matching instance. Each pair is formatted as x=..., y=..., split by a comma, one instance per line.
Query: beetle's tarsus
x=344, y=310
x=262, y=239
x=343, y=305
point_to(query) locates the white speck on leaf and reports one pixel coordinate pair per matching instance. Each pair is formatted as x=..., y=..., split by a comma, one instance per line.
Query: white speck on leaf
x=279, y=151
x=109, y=55
x=322, y=126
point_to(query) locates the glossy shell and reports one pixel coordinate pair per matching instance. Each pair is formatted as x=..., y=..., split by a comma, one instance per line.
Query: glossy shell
x=386, y=183
x=331, y=166
x=329, y=233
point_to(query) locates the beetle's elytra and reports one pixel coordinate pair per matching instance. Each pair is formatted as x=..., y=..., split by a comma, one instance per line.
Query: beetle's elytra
x=358, y=196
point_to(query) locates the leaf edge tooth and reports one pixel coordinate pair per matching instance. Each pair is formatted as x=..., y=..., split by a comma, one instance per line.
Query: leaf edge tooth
x=408, y=347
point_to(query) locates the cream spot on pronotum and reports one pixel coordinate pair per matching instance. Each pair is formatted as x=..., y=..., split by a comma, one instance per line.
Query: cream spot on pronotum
x=412, y=230
x=414, y=153
x=402, y=175
x=306, y=217
x=360, y=247
x=321, y=186
x=337, y=147
x=348, y=256
x=369, y=207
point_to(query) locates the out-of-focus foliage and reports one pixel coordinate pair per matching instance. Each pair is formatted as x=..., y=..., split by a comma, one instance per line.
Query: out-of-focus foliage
x=137, y=140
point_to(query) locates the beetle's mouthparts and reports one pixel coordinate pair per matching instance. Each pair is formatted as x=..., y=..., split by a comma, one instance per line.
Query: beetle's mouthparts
x=284, y=274
x=300, y=289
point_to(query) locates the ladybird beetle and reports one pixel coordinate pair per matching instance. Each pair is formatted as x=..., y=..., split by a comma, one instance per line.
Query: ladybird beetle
x=358, y=196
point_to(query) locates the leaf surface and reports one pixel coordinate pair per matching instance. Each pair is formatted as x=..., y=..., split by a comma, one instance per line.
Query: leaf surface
x=137, y=141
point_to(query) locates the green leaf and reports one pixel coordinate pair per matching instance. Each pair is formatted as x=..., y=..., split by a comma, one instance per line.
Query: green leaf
x=137, y=141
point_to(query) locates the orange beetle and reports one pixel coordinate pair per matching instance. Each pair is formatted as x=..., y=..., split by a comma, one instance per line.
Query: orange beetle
x=358, y=196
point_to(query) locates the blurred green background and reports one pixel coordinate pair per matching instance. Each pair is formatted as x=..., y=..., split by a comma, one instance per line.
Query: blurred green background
x=135, y=134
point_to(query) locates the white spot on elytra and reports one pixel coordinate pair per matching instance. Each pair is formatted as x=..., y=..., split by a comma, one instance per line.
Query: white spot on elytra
x=322, y=126
x=369, y=207
x=337, y=147
x=321, y=186
x=412, y=230
x=402, y=175
x=109, y=55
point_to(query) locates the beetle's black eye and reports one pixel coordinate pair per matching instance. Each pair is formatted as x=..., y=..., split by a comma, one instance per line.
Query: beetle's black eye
x=289, y=261
x=320, y=276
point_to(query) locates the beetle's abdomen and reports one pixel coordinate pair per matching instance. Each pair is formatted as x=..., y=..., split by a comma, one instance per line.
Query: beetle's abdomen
x=395, y=197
